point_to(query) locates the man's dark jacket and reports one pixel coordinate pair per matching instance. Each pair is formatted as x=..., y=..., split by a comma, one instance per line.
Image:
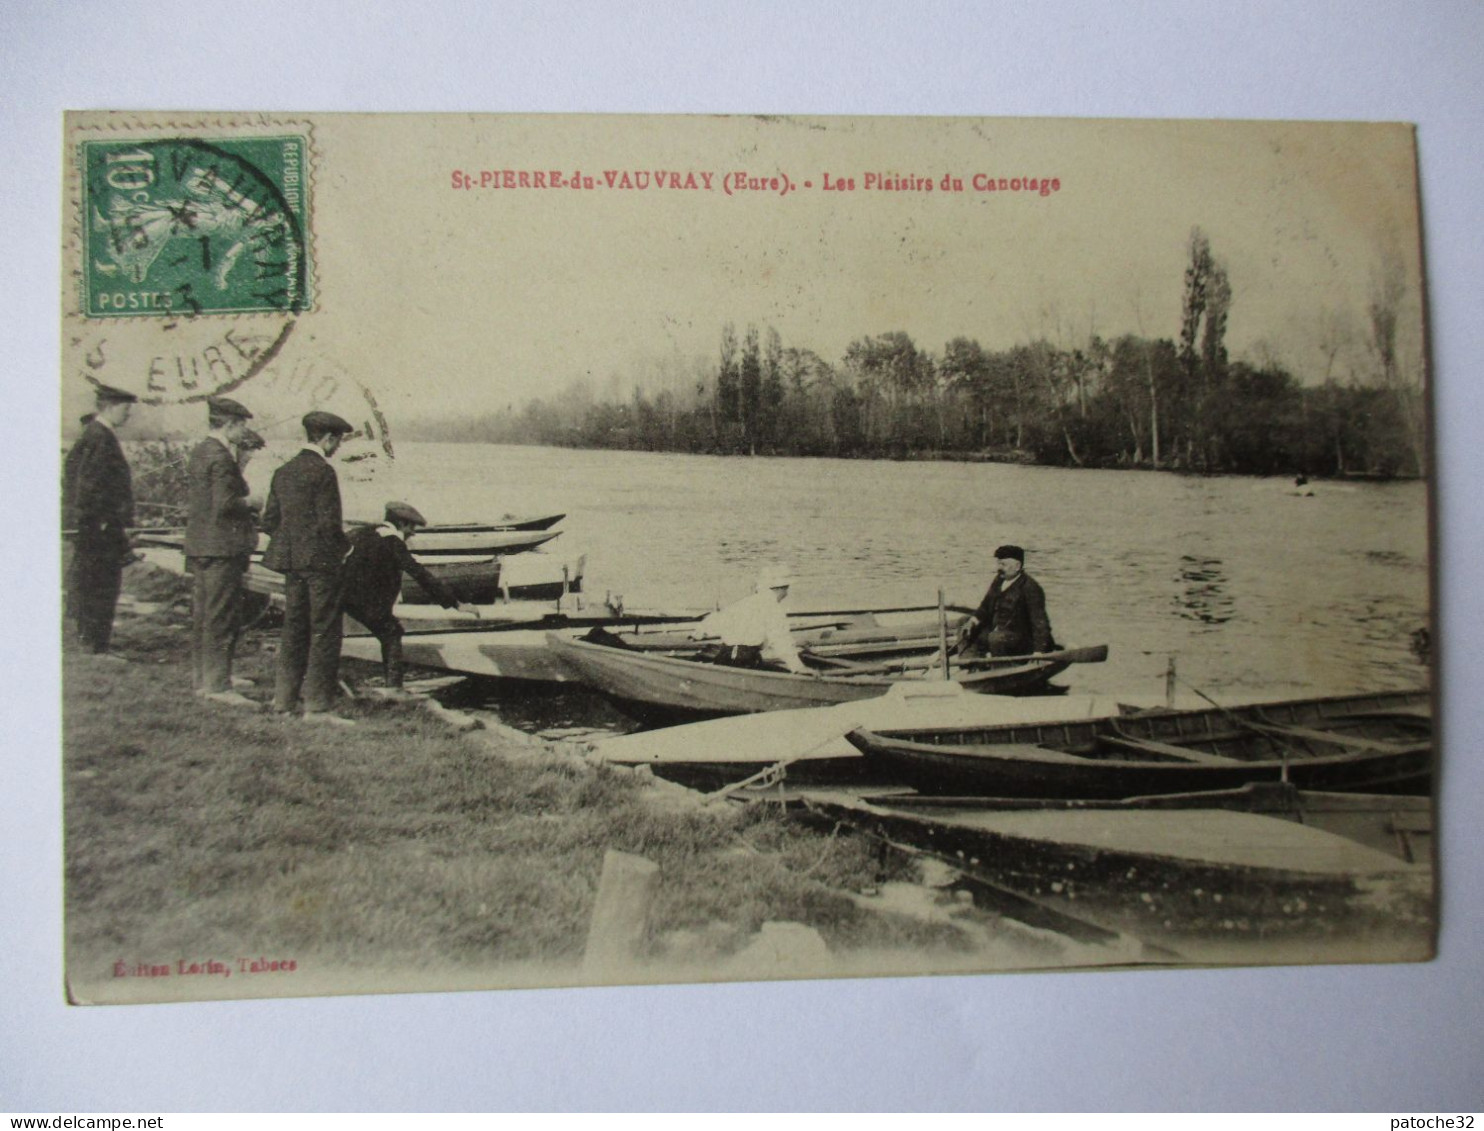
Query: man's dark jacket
x=219, y=523
x=303, y=517
x=1015, y=611
x=373, y=573
x=98, y=492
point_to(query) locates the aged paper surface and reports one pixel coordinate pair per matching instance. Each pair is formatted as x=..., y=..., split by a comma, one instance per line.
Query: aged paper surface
x=1179, y=364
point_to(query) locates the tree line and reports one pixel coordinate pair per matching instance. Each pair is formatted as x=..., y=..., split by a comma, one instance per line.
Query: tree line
x=1128, y=401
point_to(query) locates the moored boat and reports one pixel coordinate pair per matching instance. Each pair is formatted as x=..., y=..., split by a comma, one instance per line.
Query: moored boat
x=508, y=522
x=1198, y=874
x=512, y=648
x=510, y=642
x=532, y=577
x=467, y=544
x=809, y=743
x=854, y=634
x=669, y=686
x=487, y=582
x=1372, y=742
x=477, y=543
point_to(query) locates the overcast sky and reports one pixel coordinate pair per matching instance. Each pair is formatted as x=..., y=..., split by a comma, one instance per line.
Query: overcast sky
x=452, y=301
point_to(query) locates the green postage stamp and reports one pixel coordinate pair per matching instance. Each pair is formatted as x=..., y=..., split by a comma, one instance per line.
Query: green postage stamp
x=193, y=225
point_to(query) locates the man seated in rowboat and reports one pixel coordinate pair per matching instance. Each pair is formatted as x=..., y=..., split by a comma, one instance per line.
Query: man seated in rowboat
x=1011, y=620
x=755, y=629
x=373, y=579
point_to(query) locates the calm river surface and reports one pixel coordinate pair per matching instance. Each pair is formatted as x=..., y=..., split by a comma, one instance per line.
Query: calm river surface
x=1250, y=586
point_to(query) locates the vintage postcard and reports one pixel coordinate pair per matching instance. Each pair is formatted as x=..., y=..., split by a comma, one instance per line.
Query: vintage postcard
x=517, y=551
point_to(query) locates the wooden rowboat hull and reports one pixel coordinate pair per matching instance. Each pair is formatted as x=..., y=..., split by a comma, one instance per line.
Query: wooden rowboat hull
x=479, y=544
x=811, y=740
x=515, y=647
x=655, y=687
x=518, y=653
x=538, y=522
x=1377, y=744
x=478, y=583
x=1203, y=879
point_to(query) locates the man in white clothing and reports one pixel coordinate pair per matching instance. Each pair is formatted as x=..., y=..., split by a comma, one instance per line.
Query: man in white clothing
x=756, y=627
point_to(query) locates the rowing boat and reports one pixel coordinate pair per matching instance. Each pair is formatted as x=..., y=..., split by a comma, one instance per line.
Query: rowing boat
x=509, y=522
x=488, y=582
x=477, y=543
x=1373, y=742
x=849, y=634
x=510, y=642
x=1306, y=876
x=809, y=743
x=530, y=577
x=671, y=686
x=468, y=544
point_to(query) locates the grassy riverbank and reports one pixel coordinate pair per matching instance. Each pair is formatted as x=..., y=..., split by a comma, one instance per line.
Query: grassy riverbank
x=400, y=853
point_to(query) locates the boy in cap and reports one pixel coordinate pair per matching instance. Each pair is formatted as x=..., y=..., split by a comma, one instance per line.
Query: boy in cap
x=248, y=444
x=98, y=503
x=220, y=535
x=1011, y=620
x=373, y=580
x=308, y=547
x=756, y=628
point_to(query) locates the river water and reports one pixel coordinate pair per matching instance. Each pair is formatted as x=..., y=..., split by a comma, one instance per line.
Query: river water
x=1251, y=587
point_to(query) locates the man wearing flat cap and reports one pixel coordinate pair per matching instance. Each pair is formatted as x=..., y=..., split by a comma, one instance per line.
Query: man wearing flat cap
x=1011, y=620
x=98, y=503
x=308, y=547
x=221, y=533
x=373, y=581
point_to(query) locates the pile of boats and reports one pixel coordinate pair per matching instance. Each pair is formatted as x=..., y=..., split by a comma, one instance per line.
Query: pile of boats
x=1276, y=831
x=477, y=561
x=1301, y=824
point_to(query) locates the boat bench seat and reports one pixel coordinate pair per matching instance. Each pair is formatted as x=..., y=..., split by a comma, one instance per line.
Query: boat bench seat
x=1404, y=822
x=1183, y=753
x=1309, y=734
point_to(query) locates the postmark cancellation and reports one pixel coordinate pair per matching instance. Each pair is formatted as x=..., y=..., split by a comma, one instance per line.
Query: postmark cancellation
x=191, y=225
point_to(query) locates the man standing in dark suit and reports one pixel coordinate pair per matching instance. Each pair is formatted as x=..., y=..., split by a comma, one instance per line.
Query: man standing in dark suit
x=1011, y=620
x=98, y=503
x=220, y=535
x=373, y=580
x=308, y=547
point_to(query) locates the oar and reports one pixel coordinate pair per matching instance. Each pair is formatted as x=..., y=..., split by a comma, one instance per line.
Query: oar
x=1283, y=749
x=1093, y=654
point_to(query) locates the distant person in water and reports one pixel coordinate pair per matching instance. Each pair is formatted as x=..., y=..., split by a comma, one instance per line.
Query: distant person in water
x=373, y=580
x=755, y=629
x=1011, y=620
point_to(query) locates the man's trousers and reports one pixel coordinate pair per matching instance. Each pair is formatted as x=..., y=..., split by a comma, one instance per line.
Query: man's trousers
x=309, y=649
x=216, y=619
x=97, y=575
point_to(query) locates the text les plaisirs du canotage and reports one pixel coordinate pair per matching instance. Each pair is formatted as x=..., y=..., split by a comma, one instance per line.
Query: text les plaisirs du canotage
x=743, y=181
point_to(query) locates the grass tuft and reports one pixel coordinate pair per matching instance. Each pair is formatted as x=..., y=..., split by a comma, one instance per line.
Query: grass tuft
x=198, y=829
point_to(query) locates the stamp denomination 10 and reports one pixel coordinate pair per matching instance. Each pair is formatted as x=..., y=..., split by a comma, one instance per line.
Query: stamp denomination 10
x=186, y=226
